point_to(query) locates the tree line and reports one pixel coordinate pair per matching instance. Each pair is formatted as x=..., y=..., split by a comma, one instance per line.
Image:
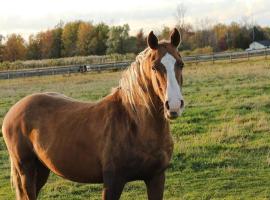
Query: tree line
x=81, y=38
x=77, y=38
x=222, y=37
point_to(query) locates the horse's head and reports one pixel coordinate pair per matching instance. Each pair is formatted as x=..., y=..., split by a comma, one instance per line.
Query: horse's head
x=165, y=66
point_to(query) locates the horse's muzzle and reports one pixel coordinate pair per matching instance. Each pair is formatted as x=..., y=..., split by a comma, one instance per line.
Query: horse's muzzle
x=173, y=113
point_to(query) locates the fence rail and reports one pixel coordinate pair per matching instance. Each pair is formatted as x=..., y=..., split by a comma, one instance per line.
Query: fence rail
x=121, y=65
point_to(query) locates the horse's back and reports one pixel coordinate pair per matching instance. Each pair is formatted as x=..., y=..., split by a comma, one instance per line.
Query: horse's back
x=21, y=117
x=30, y=107
x=40, y=112
x=50, y=125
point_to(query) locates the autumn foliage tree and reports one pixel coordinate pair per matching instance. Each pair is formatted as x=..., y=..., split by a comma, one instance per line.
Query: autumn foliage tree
x=80, y=38
x=46, y=41
x=85, y=34
x=69, y=38
x=14, y=48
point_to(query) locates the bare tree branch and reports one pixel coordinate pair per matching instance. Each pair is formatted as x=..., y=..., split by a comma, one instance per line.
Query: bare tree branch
x=180, y=15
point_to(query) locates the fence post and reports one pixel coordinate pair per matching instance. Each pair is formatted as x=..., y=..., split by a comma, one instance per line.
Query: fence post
x=265, y=53
x=197, y=60
x=231, y=57
x=213, y=60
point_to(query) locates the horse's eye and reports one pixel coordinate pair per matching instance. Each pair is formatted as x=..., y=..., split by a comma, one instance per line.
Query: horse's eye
x=180, y=64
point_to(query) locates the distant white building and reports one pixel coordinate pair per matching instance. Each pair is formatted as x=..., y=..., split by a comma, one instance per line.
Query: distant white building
x=259, y=45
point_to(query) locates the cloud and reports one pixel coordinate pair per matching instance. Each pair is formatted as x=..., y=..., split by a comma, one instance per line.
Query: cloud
x=31, y=16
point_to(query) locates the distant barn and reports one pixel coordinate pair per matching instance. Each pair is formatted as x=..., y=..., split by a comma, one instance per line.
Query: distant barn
x=259, y=45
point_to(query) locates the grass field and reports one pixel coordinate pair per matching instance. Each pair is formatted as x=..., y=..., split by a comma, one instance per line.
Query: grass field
x=222, y=141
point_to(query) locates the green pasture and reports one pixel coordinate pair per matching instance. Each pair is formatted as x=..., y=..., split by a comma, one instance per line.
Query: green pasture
x=222, y=141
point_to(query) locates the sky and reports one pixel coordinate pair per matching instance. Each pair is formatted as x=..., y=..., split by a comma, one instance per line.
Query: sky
x=31, y=16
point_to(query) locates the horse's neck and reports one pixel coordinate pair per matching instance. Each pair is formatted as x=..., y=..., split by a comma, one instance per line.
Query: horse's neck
x=154, y=114
x=148, y=123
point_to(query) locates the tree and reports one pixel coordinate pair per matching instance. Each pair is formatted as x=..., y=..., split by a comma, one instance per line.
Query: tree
x=117, y=37
x=46, y=41
x=257, y=33
x=233, y=30
x=69, y=38
x=186, y=29
x=140, y=41
x=57, y=45
x=33, y=48
x=187, y=37
x=85, y=33
x=204, y=35
x=180, y=16
x=100, y=38
x=238, y=36
x=266, y=31
x=165, y=33
x=130, y=45
x=243, y=39
x=1, y=48
x=15, y=48
x=220, y=34
x=40, y=45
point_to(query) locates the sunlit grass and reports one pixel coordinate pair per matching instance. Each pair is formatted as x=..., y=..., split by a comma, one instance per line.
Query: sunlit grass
x=222, y=141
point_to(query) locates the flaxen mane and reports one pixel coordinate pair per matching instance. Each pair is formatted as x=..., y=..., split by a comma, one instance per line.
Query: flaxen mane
x=134, y=83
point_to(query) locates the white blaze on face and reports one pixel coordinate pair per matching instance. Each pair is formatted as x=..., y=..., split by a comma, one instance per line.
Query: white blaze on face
x=173, y=93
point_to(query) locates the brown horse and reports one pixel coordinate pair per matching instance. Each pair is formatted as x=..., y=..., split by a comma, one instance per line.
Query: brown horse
x=121, y=138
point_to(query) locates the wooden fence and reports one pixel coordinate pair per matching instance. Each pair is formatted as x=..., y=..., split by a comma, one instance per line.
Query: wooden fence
x=230, y=56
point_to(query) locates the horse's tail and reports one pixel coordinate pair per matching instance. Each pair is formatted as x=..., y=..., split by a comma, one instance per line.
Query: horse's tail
x=13, y=174
x=15, y=179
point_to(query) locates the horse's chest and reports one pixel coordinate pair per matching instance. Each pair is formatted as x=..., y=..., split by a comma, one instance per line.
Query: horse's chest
x=151, y=162
x=142, y=162
x=138, y=156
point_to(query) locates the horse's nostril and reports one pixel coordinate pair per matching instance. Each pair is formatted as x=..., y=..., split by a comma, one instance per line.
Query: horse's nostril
x=181, y=104
x=173, y=115
x=167, y=105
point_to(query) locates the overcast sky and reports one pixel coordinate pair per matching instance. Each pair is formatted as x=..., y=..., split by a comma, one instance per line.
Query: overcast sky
x=31, y=16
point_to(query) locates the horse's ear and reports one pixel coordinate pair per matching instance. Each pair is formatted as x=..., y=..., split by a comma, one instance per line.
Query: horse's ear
x=175, y=38
x=152, y=41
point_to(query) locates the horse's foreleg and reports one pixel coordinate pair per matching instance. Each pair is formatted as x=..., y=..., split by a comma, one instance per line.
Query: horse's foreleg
x=113, y=186
x=28, y=174
x=155, y=187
